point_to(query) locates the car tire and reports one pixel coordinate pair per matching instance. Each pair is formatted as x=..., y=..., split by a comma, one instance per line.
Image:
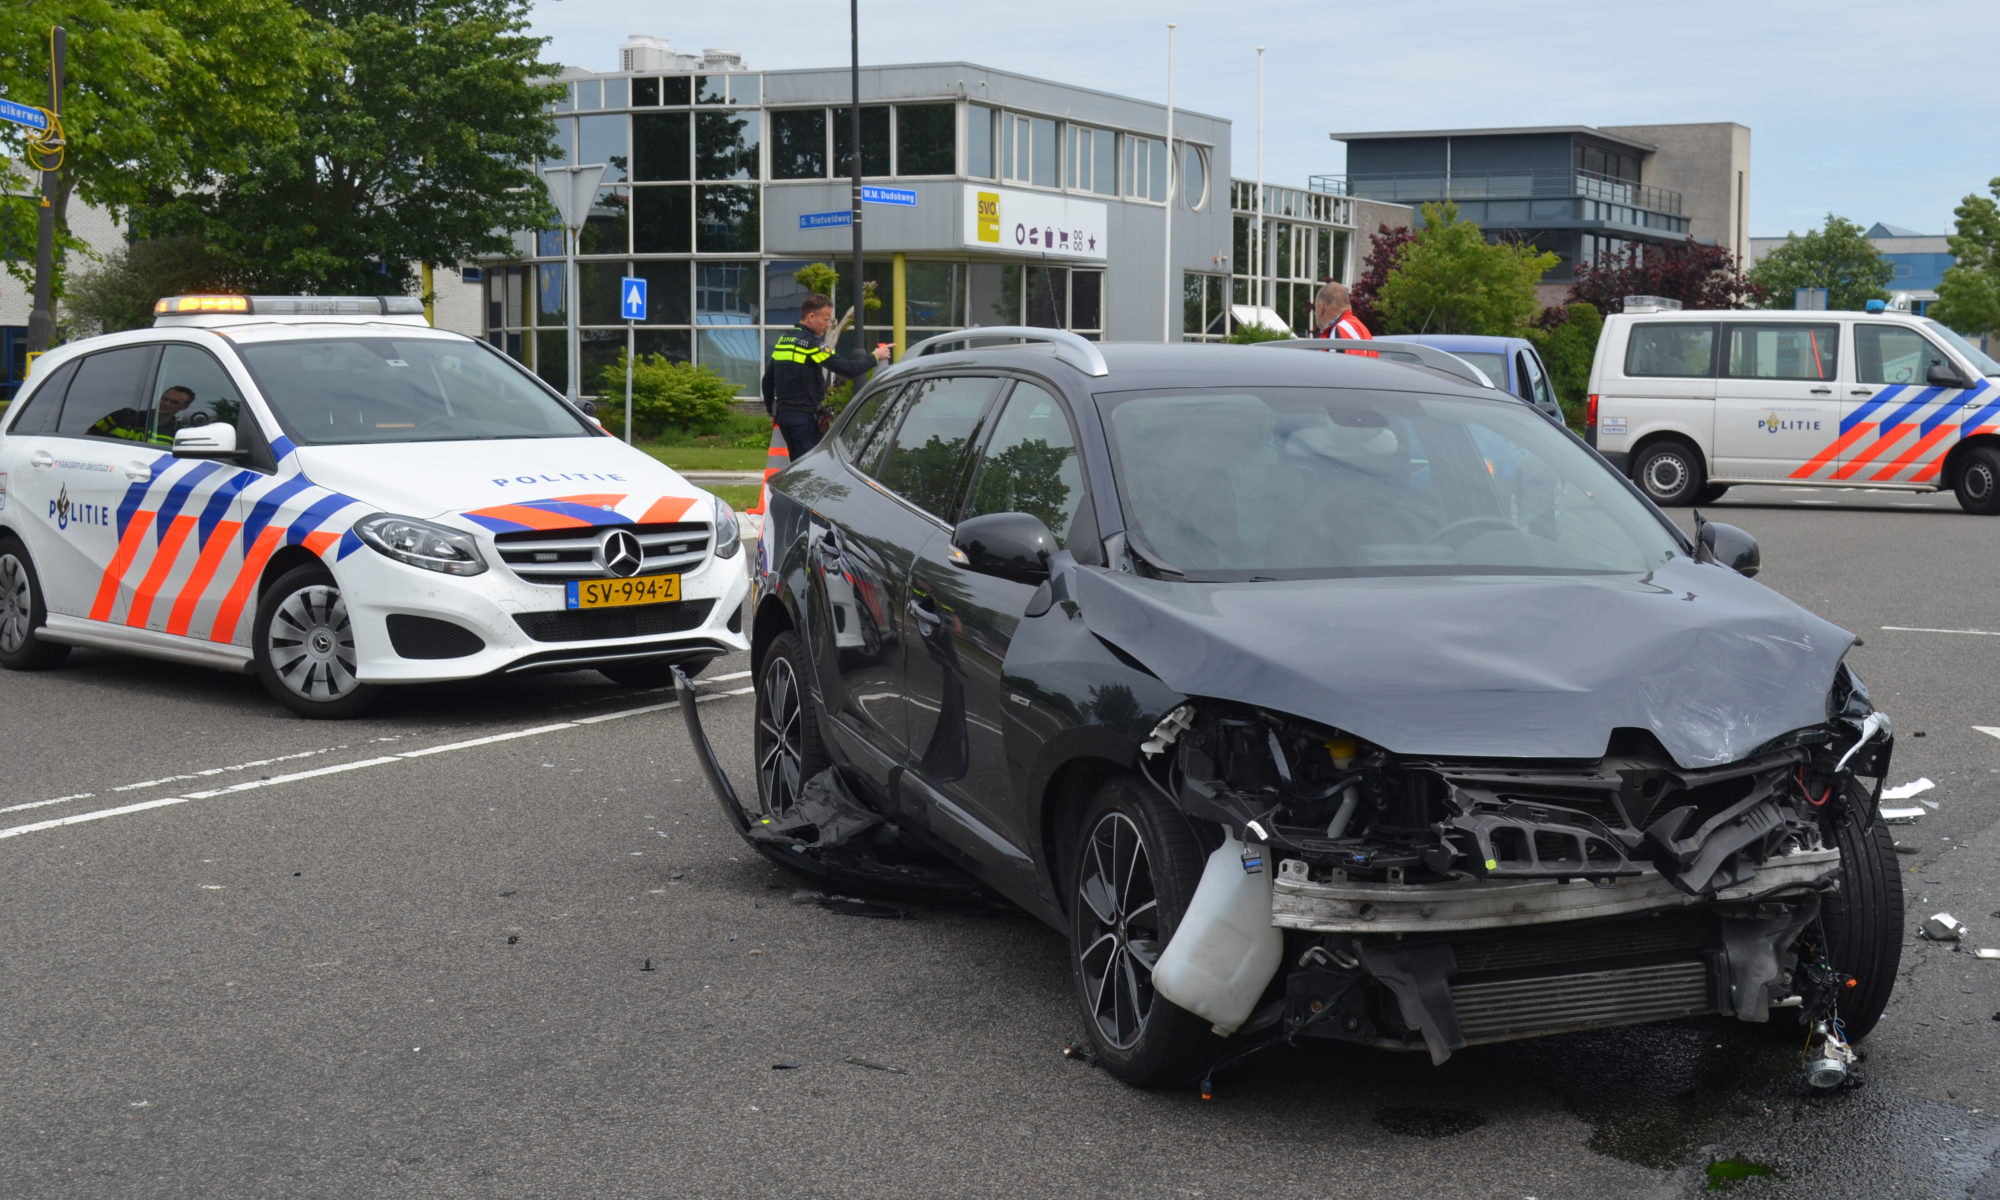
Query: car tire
x=1864, y=918
x=1712, y=493
x=652, y=672
x=303, y=645
x=1978, y=483
x=786, y=741
x=1137, y=865
x=1670, y=473
x=22, y=613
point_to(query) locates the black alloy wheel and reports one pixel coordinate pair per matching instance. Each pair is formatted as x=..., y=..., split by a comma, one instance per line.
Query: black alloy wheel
x=1136, y=868
x=786, y=742
x=1864, y=918
x=1670, y=473
x=22, y=612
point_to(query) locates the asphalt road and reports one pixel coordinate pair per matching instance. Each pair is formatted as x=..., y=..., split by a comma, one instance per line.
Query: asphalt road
x=408, y=956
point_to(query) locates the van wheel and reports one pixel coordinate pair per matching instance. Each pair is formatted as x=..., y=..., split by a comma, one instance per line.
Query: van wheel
x=1978, y=482
x=22, y=612
x=1670, y=473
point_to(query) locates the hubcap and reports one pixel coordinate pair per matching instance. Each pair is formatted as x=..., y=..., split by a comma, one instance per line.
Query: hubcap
x=1119, y=915
x=17, y=604
x=1978, y=481
x=1668, y=475
x=780, y=738
x=311, y=644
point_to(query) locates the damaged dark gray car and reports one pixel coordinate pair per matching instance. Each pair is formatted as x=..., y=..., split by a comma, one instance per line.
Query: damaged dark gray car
x=1312, y=696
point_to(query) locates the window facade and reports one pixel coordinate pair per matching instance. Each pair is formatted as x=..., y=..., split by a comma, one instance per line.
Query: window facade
x=1307, y=241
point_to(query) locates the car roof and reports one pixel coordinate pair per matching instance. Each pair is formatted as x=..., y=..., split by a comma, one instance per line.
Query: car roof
x=1134, y=366
x=1457, y=341
x=1765, y=314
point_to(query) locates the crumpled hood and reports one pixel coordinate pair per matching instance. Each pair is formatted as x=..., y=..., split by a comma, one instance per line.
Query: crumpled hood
x=1488, y=666
x=444, y=479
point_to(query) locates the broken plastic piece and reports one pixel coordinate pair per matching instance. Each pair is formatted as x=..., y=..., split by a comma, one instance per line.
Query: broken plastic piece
x=1943, y=927
x=785, y=1066
x=1901, y=816
x=1986, y=953
x=1909, y=790
x=1875, y=724
x=1168, y=731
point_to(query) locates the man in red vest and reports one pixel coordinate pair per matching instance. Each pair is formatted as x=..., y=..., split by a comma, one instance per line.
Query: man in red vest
x=1334, y=319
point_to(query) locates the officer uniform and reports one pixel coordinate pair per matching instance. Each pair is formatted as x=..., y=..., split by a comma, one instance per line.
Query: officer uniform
x=134, y=425
x=795, y=384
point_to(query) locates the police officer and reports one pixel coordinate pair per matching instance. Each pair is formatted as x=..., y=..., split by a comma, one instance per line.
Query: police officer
x=138, y=425
x=794, y=382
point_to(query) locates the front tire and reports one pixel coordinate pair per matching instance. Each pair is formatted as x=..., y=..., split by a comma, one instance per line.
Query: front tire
x=1136, y=868
x=1978, y=482
x=1864, y=919
x=22, y=613
x=786, y=741
x=1670, y=473
x=303, y=643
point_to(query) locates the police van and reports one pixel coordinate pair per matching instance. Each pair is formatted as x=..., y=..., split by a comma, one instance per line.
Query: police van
x=332, y=494
x=1690, y=403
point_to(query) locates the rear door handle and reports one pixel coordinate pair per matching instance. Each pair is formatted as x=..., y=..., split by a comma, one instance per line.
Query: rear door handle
x=42, y=458
x=1861, y=392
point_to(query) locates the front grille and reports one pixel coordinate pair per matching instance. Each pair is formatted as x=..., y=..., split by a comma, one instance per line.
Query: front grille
x=1515, y=1008
x=557, y=556
x=603, y=624
x=428, y=637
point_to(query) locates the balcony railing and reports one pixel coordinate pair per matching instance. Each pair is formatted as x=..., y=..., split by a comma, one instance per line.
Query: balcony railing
x=1421, y=186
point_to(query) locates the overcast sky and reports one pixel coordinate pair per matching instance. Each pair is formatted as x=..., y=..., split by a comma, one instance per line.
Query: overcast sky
x=1876, y=112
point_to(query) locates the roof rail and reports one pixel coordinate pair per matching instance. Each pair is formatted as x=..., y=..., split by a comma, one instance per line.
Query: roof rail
x=1424, y=356
x=1078, y=352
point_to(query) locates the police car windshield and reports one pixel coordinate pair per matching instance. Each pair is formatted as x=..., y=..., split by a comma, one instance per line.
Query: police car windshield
x=1288, y=483
x=1979, y=358
x=339, y=391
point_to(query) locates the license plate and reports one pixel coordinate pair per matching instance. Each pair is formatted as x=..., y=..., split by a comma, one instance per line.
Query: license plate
x=622, y=593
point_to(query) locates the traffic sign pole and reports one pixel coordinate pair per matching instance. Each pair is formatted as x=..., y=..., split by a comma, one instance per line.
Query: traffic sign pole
x=628, y=382
x=632, y=307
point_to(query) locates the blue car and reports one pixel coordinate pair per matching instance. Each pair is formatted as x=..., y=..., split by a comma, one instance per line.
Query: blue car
x=1510, y=362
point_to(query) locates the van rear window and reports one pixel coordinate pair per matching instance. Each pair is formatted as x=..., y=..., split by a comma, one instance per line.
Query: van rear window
x=1673, y=351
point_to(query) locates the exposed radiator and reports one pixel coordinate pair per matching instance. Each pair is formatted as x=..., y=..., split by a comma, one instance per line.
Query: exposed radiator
x=1516, y=1008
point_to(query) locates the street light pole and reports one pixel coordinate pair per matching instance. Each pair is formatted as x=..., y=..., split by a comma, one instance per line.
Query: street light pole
x=1257, y=252
x=42, y=319
x=1167, y=317
x=854, y=143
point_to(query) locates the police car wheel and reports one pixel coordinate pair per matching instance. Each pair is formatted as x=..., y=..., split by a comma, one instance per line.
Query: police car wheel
x=651, y=672
x=1669, y=473
x=1978, y=483
x=22, y=613
x=304, y=646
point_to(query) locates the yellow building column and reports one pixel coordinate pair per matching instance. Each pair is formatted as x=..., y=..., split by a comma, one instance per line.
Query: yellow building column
x=899, y=319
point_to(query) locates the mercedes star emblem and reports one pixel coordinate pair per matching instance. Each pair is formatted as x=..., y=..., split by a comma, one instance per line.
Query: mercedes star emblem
x=622, y=555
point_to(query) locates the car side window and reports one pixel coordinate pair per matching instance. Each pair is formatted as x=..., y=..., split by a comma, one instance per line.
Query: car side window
x=1524, y=379
x=1788, y=351
x=39, y=411
x=1672, y=351
x=923, y=457
x=107, y=398
x=854, y=431
x=1543, y=392
x=191, y=388
x=1892, y=354
x=1031, y=464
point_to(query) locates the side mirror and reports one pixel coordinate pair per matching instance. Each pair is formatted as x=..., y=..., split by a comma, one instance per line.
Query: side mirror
x=1730, y=547
x=1011, y=545
x=589, y=407
x=213, y=440
x=1944, y=375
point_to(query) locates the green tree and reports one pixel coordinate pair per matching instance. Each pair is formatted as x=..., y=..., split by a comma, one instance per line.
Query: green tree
x=416, y=142
x=1969, y=297
x=666, y=395
x=1450, y=279
x=118, y=294
x=156, y=94
x=1839, y=258
x=1566, y=338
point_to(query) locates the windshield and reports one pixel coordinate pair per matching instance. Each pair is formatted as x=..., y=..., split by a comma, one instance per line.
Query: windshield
x=342, y=391
x=1978, y=357
x=1495, y=365
x=1277, y=483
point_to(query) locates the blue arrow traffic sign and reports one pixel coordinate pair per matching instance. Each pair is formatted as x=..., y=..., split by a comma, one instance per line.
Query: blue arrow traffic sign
x=21, y=114
x=825, y=220
x=631, y=299
x=902, y=197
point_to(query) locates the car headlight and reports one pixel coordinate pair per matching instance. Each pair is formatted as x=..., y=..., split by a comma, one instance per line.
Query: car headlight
x=727, y=538
x=422, y=544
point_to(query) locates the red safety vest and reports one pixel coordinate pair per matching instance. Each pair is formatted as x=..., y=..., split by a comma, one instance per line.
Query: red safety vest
x=1350, y=328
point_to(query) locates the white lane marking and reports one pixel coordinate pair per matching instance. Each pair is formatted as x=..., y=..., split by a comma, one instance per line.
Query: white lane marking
x=1920, y=629
x=1989, y=730
x=335, y=769
x=728, y=677
x=46, y=803
x=255, y=762
x=1818, y=501
x=142, y=806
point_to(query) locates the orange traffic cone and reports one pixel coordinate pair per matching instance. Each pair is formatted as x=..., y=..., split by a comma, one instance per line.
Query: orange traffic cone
x=774, y=462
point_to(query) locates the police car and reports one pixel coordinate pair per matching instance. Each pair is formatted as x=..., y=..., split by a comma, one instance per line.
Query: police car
x=330, y=493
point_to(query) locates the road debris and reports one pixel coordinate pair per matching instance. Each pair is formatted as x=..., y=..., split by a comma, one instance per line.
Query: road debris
x=875, y=1066
x=1908, y=791
x=784, y=1066
x=1901, y=816
x=1943, y=927
x=1986, y=953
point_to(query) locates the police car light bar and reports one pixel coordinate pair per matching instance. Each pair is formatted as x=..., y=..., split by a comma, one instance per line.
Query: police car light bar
x=291, y=306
